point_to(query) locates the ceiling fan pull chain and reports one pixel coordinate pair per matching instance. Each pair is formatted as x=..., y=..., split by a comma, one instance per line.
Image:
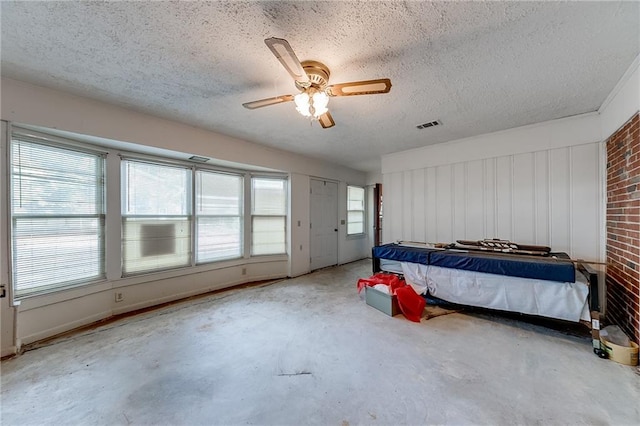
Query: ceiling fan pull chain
x=312, y=109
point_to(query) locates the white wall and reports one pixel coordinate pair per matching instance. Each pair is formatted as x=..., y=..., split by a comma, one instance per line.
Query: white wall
x=38, y=106
x=540, y=184
x=42, y=316
x=623, y=101
x=374, y=177
x=300, y=236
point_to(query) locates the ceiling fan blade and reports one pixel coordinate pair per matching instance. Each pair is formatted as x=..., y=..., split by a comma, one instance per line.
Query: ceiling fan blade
x=268, y=101
x=367, y=87
x=326, y=120
x=283, y=51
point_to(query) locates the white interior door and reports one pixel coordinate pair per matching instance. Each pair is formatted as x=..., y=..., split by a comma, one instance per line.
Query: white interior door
x=324, y=224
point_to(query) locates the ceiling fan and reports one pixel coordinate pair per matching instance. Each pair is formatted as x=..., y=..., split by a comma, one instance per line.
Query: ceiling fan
x=311, y=79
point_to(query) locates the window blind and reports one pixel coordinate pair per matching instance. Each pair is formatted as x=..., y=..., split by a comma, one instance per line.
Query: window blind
x=57, y=215
x=269, y=210
x=156, y=205
x=219, y=208
x=355, y=210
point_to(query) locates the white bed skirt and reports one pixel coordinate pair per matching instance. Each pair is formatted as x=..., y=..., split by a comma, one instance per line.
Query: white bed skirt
x=553, y=299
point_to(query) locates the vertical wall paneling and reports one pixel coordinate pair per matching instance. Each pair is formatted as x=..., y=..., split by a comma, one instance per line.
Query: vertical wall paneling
x=444, y=204
x=387, y=214
x=584, y=198
x=393, y=209
x=386, y=188
x=489, y=198
x=513, y=226
x=535, y=197
x=570, y=166
x=541, y=198
x=431, y=218
x=418, y=213
x=395, y=202
x=504, y=194
x=602, y=202
x=559, y=199
x=548, y=197
x=459, y=192
x=523, y=221
x=474, y=205
x=550, y=211
x=407, y=206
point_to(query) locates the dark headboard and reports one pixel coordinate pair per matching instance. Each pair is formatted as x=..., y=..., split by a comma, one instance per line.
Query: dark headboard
x=594, y=292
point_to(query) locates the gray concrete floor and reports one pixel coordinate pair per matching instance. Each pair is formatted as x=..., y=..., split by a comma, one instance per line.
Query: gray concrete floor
x=310, y=351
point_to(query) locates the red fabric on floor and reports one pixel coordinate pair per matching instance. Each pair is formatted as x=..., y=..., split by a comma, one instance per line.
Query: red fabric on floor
x=411, y=303
x=391, y=280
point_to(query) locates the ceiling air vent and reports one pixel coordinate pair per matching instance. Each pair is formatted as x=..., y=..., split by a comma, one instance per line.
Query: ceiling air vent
x=429, y=124
x=198, y=159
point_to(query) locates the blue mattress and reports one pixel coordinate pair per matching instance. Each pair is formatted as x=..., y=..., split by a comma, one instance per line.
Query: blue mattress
x=501, y=264
x=403, y=253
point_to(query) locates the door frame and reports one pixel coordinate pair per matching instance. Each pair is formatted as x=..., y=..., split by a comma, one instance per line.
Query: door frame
x=377, y=214
x=337, y=248
x=8, y=341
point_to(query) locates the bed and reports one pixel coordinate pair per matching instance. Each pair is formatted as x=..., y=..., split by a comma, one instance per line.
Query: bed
x=551, y=286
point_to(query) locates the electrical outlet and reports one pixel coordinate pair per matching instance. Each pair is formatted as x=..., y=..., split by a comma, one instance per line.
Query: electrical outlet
x=119, y=296
x=244, y=271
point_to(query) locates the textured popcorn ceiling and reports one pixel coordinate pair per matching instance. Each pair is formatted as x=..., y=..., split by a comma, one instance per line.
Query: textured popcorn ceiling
x=477, y=67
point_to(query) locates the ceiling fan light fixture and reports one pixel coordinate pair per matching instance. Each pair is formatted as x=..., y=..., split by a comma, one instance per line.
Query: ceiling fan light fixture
x=302, y=104
x=311, y=78
x=311, y=103
x=320, y=101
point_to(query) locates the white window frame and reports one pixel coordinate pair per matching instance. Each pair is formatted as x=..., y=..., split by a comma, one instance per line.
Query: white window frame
x=198, y=216
x=362, y=211
x=113, y=219
x=57, y=143
x=157, y=221
x=255, y=215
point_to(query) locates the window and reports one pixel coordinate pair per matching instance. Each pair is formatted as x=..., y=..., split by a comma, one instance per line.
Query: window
x=172, y=214
x=57, y=215
x=219, y=211
x=355, y=210
x=269, y=214
x=156, y=216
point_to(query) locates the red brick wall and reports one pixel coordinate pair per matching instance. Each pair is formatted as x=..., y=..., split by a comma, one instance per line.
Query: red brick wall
x=623, y=228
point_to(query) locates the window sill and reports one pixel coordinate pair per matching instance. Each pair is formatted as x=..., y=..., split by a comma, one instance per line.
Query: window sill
x=61, y=295
x=356, y=236
x=197, y=269
x=82, y=290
